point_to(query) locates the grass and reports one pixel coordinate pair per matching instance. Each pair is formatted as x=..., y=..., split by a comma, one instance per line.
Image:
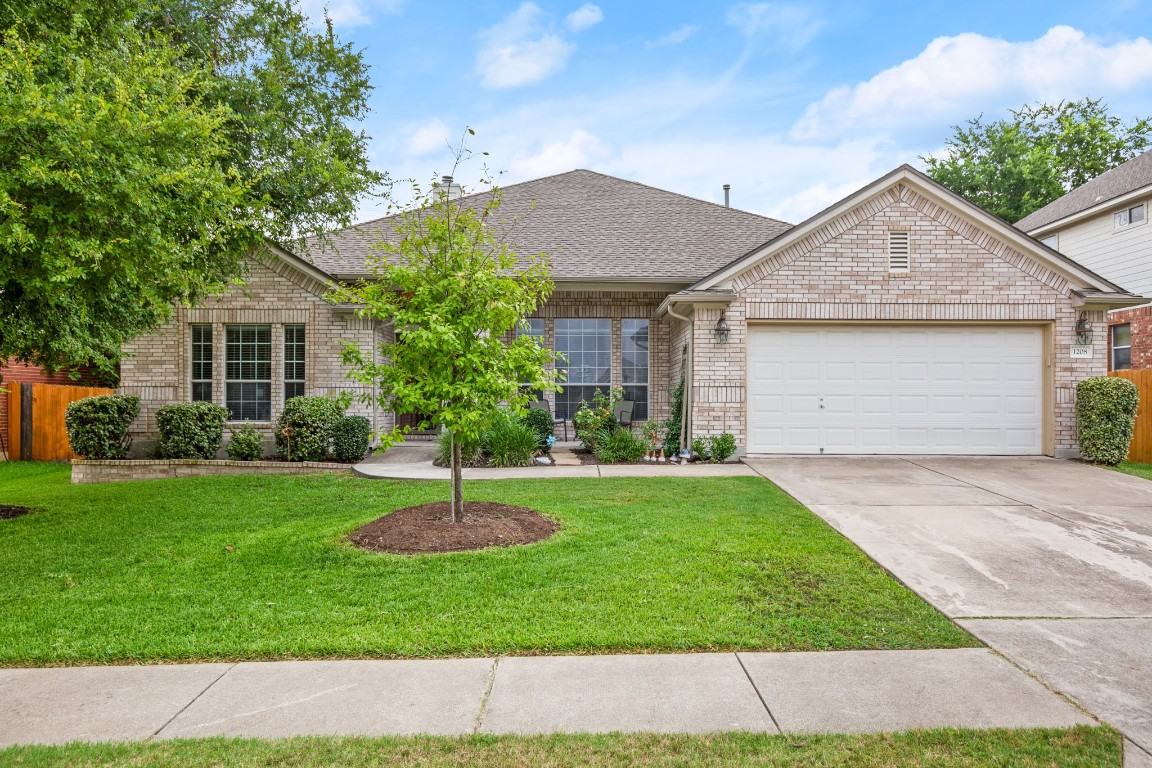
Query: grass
x=257, y=567
x=1080, y=747
x=1139, y=470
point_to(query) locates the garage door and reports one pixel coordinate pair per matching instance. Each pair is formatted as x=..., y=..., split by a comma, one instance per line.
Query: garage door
x=895, y=389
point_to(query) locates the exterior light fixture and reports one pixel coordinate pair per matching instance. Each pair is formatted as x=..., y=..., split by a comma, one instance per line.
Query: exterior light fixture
x=1083, y=330
x=722, y=330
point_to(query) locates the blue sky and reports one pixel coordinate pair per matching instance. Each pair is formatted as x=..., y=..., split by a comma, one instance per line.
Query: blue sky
x=794, y=105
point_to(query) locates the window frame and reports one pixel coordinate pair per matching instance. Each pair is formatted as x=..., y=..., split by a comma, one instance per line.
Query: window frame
x=566, y=403
x=642, y=408
x=1126, y=213
x=1113, y=347
x=204, y=363
x=295, y=360
x=263, y=408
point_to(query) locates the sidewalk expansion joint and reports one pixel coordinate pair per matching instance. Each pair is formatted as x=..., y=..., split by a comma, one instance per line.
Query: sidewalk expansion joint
x=195, y=698
x=759, y=695
x=487, y=695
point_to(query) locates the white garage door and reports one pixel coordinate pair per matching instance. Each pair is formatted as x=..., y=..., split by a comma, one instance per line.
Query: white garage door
x=895, y=389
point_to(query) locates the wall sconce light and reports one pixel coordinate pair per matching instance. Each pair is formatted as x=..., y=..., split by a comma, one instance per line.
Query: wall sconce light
x=1083, y=330
x=722, y=330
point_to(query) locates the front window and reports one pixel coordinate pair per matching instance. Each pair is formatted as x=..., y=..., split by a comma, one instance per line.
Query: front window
x=293, y=361
x=634, y=365
x=587, y=348
x=532, y=327
x=1121, y=347
x=202, y=362
x=248, y=372
x=1133, y=215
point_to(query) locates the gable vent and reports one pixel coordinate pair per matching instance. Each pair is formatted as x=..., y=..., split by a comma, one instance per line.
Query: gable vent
x=899, y=254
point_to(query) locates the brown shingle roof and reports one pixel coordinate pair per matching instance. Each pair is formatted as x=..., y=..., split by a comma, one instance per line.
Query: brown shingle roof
x=1121, y=180
x=594, y=227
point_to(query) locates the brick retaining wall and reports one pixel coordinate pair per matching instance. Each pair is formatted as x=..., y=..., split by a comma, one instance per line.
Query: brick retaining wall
x=84, y=471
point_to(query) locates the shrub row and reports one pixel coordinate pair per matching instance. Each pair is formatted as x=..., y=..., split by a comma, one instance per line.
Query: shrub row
x=509, y=441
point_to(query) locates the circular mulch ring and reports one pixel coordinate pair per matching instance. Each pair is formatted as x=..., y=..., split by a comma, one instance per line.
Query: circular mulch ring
x=428, y=528
x=8, y=511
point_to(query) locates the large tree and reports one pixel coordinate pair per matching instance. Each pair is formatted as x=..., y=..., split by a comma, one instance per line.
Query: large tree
x=453, y=294
x=1012, y=167
x=147, y=149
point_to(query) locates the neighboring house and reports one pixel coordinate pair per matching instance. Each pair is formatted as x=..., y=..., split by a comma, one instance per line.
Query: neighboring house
x=903, y=319
x=1104, y=226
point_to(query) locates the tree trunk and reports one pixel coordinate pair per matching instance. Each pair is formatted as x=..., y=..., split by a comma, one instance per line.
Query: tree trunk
x=457, y=483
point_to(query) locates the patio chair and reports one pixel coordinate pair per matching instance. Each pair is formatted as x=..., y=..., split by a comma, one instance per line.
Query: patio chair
x=623, y=412
x=542, y=405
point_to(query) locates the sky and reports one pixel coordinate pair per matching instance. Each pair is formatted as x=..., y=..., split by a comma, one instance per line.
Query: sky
x=796, y=105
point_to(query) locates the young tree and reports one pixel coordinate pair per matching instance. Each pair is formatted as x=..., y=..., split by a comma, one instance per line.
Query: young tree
x=453, y=293
x=1011, y=168
x=148, y=147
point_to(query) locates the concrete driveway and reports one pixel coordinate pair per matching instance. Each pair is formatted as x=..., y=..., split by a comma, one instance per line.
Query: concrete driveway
x=1048, y=561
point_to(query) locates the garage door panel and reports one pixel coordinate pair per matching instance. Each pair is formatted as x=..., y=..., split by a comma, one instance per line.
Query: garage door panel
x=882, y=389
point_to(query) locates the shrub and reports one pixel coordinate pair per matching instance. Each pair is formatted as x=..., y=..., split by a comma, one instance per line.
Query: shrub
x=617, y=444
x=304, y=430
x=593, y=419
x=508, y=441
x=672, y=425
x=470, y=453
x=540, y=422
x=245, y=444
x=1105, y=417
x=715, y=448
x=190, y=430
x=351, y=438
x=98, y=426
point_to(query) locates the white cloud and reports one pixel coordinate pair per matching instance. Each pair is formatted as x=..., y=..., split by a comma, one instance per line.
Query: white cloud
x=958, y=77
x=433, y=136
x=675, y=37
x=350, y=13
x=520, y=50
x=579, y=149
x=584, y=17
x=790, y=27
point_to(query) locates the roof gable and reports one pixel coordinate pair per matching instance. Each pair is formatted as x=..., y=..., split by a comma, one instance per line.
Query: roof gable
x=594, y=227
x=953, y=210
x=1132, y=176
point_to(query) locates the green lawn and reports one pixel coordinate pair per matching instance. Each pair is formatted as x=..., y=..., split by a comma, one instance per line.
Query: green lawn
x=1139, y=470
x=1080, y=747
x=124, y=572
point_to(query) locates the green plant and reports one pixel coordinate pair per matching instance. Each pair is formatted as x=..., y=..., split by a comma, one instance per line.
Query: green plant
x=617, y=444
x=98, y=426
x=1105, y=418
x=650, y=434
x=470, y=452
x=715, y=448
x=245, y=444
x=508, y=441
x=190, y=430
x=304, y=430
x=350, y=438
x=540, y=422
x=672, y=424
x=592, y=419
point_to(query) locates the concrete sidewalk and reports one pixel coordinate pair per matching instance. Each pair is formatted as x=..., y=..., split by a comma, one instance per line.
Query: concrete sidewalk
x=427, y=471
x=839, y=692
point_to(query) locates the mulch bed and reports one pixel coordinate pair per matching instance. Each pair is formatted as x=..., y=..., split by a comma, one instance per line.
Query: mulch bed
x=428, y=528
x=9, y=511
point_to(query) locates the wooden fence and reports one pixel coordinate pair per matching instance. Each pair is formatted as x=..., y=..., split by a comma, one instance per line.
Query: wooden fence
x=1141, y=448
x=36, y=419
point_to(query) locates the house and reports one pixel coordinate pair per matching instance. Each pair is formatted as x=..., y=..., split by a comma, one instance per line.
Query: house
x=1104, y=226
x=902, y=319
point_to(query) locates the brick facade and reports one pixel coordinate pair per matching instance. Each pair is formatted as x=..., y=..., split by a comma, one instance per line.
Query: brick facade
x=1140, y=318
x=839, y=272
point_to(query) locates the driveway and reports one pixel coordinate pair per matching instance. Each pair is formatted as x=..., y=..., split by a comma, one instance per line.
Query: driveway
x=1047, y=561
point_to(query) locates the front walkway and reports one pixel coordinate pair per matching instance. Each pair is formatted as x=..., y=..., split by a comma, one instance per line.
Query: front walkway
x=838, y=692
x=1047, y=561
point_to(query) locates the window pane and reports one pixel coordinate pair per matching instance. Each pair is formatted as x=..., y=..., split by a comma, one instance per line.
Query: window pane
x=1136, y=214
x=587, y=345
x=639, y=396
x=532, y=326
x=1121, y=358
x=1122, y=335
x=634, y=351
x=248, y=372
x=568, y=401
x=202, y=362
x=1121, y=218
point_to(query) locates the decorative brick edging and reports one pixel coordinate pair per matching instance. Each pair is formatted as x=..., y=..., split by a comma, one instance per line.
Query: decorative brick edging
x=84, y=471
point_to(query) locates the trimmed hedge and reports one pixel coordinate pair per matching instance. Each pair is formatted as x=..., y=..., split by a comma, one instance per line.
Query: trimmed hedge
x=350, y=438
x=305, y=428
x=98, y=426
x=190, y=430
x=245, y=444
x=1105, y=418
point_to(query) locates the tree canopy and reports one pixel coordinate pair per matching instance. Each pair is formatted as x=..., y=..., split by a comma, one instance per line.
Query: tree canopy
x=454, y=295
x=1012, y=167
x=147, y=149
